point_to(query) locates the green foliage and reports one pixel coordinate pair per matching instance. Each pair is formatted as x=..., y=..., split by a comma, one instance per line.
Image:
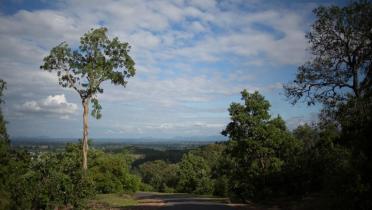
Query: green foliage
x=194, y=175
x=12, y=165
x=98, y=59
x=111, y=173
x=221, y=185
x=160, y=175
x=152, y=154
x=52, y=180
x=260, y=148
x=307, y=134
x=197, y=172
x=339, y=76
x=353, y=181
x=211, y=153
x=5, y=156
x=55, y=180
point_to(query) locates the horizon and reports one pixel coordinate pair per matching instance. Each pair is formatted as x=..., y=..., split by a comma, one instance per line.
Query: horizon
x=178, y=138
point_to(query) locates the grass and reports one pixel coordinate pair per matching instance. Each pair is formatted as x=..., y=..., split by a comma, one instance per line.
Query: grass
x=113, y=201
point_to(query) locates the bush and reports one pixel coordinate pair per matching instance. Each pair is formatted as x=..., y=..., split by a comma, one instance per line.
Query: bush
x=194, y=175
x=160, y=175
x=111, y=173
x=49, y=185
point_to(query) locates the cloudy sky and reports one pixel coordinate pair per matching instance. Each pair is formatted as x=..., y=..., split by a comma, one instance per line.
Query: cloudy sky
x=192, y=57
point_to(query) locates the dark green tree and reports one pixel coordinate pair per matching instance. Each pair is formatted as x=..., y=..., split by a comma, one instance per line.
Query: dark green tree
x=194, y=175
x=355, y=118
x=211, y=153
x=111, y=173
x=162, y=176
x=340, y=77
x=97, y=59
x=341, y=45
x=215, y=158
x=307, y=134
x=259, y=147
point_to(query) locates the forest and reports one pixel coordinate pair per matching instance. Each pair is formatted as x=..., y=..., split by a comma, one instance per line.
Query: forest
x=263, y=161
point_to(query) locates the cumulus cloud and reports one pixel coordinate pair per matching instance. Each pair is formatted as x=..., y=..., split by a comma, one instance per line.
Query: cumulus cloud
x=53, y=104
x=174, y=92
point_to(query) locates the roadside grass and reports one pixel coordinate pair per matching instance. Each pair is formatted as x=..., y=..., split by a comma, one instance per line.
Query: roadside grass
x=114, y=200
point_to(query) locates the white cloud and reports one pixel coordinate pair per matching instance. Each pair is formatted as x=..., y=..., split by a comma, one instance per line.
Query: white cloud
x=144, y=40
x=173, y=92
x=54, y=104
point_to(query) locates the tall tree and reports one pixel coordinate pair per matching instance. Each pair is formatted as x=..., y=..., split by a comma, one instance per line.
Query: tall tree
x=341, y=44
x=194, y=175
x=4, y=156
x=340, y=77
x=97, y=59
x=259, y=147
x=4, y=138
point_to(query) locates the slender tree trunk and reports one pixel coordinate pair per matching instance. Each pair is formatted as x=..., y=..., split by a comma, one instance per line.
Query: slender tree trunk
x=356, y=82
x=85, y=133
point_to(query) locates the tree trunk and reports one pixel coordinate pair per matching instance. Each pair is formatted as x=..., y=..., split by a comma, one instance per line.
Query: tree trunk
x=356, y=88
x=85, y=133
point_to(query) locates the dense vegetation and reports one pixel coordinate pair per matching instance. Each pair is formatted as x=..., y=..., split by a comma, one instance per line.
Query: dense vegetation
x=262, y=160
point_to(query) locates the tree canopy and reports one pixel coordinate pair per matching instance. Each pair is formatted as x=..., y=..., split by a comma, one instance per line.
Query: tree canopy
x=341, y=45
x=259, y=146
x=97, y=59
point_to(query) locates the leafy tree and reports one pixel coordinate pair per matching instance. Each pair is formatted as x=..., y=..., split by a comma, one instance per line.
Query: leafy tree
x=111, y=173
x=259, y=147
x=12, y=164
x=340, y=41
x=215, y=158
x=44, y=181
x=307, y=134
x=320, y=158
x=355, y=118
x=162, y=176
x=211, y=153
x=51, y=181
x=97, y=59
x=194, y=175
x=339, y=76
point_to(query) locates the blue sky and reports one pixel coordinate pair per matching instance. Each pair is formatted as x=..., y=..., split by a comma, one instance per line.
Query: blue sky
x=192, y=57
